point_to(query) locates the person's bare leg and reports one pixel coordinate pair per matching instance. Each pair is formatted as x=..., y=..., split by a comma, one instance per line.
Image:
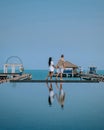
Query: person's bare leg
x=57, y=76
x=61, y=76
x=51, y=74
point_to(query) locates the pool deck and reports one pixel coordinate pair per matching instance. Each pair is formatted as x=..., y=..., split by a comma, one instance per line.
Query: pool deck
x=55, y=81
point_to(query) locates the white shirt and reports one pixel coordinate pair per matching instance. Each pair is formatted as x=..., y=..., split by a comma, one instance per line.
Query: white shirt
x=51, y=68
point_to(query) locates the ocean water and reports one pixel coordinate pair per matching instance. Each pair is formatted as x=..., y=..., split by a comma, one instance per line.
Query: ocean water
x=42, y=74
x=25, y=106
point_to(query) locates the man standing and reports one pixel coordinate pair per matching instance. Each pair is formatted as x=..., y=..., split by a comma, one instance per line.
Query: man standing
x=60, y=66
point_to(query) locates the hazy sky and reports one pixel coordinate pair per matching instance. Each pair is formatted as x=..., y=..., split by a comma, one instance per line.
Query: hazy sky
x=34, y=30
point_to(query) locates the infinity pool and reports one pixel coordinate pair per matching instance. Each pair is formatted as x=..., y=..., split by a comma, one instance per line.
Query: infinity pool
x=25, y=106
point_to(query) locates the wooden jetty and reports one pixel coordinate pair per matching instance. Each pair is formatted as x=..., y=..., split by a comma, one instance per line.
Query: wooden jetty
x=7, y=77
x=9, y=64
x=21, y=77
x=98, y=77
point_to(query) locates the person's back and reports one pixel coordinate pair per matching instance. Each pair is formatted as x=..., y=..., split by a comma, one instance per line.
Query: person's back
x=60, y=66
x=60, y=63
x=51, y=68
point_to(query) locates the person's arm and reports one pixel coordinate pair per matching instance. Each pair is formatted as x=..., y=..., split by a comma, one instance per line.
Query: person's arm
x=53, y=64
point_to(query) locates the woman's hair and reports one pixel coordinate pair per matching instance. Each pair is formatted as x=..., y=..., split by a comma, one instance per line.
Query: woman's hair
x=49, y=62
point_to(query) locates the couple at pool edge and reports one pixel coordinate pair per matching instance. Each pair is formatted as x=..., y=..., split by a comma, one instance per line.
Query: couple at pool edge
x=59, y=67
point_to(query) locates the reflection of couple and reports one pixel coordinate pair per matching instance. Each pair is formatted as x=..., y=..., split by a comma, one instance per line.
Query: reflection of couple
x=60, y=96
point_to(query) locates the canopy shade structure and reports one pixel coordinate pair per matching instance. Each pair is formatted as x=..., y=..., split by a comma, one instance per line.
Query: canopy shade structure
x=68, y=64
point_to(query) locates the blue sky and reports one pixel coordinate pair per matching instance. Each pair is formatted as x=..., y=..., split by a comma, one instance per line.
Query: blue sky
x=37, y=29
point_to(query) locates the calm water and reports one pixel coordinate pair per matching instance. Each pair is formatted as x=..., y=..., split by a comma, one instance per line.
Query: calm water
x=25, y=106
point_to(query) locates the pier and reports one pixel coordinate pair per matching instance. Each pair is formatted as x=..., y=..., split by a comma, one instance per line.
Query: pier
x=7, y=77
x=97, y=77
x=12, y=64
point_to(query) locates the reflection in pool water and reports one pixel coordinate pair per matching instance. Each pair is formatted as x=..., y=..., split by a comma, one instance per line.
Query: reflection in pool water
x=60, y=96
x=24, y=106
